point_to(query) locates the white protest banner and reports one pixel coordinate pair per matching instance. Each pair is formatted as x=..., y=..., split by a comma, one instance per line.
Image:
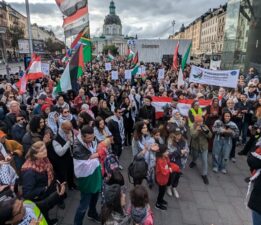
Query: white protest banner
x=107, y=66
x=161, y=73
x=128, y=74
x=215, y=65
x=45, y=68
x=114, y=75
x=221, y=78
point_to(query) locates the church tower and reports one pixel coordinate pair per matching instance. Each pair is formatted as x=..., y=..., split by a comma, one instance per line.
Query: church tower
x=112, y=22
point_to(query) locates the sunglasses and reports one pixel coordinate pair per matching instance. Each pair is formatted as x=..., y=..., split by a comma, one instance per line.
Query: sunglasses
x=66, y=112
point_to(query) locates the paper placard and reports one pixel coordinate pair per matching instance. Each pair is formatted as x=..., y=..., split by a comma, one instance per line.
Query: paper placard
x=114, y=75
x=161, y=73
x=45, y=68
x=107, y=66
x=128, y=74
x=143, y=69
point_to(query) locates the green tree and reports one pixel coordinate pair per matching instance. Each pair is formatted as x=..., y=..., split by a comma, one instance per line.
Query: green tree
x=15, y=33
x=110, y=48
x=53, y=46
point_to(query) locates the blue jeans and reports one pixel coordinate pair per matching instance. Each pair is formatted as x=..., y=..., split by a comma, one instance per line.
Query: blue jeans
x=204, y=159
x=87, y=201
x=221, y=151
x=256, y=218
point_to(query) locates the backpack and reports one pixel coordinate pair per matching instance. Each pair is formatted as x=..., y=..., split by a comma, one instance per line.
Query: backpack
x=111, y=163
x=138, y=169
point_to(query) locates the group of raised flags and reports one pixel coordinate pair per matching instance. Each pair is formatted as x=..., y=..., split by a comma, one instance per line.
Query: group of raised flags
x=182, y=64
x=76, y=16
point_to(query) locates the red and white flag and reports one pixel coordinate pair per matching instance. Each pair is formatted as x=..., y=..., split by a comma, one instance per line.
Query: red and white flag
x=183, y=105
x=175, y=64
x=33, y=72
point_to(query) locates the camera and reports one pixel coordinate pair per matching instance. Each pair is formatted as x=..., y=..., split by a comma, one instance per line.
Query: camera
x=204, y=129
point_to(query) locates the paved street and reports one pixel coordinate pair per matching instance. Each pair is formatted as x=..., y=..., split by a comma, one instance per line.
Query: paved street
x=220, y=203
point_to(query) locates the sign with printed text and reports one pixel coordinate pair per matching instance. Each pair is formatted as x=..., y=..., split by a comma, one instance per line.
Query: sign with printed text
x=107, y=66
x=45, y=68
x=128, y=74
x=215, y=65
x=221, y=78
x=114, y=75
x=161, y=73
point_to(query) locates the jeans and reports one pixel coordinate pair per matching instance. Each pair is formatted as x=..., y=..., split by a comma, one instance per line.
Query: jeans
x=88, y=200
x=221, y=151
x=256, y=218
x=117, y=149
x=204, y=159
x=174, y=179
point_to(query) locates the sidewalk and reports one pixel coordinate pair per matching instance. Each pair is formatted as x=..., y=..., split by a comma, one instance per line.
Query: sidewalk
x=220, y=203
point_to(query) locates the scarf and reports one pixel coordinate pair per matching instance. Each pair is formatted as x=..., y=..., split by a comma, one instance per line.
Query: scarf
x=138, y=214
x=52, y=123
x=40, y=166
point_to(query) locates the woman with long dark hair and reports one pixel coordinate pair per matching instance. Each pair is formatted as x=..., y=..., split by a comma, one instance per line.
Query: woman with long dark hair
x=113, y=209
x=128, y=118
x=225, y=130
x=101, y=131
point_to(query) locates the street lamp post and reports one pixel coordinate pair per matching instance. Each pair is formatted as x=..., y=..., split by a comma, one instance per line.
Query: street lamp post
x=29, y=28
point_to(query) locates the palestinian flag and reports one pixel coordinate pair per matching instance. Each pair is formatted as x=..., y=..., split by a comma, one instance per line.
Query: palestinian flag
x=175, y=63
x=130, y=54
x=183, y=105
x=135, y=70
x=135, y=60
x=75, y=68
x=185, y=57
x=110, y=56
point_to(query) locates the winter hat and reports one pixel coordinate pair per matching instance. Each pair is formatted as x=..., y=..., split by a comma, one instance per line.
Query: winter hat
x=138, y=214
x=44, y=107
x=112, y=193
x=198, y=118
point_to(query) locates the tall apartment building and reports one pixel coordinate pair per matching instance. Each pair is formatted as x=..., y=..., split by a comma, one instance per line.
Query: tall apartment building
x=206, y=32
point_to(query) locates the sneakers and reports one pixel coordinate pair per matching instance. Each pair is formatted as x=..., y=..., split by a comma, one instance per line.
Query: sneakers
x=224, y=171
x=169, y=192
x=192, y=164
x=160, y=206
x=175, y=192
x=233, y=160
x=120, y=167
x=95, y=217
x=163, y=202
x=215, y=170
x=205, y=179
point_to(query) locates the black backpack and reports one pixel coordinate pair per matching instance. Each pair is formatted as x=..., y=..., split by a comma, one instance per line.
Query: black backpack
x=138, y=169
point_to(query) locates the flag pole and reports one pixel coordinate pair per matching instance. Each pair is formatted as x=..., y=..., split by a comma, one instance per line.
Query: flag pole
x=29, y=28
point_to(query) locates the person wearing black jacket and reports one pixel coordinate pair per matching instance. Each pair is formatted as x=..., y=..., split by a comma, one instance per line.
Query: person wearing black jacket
x=245, y=108
x=148, y=112
x=116, y=127
x=254, y=162
x=60, y=154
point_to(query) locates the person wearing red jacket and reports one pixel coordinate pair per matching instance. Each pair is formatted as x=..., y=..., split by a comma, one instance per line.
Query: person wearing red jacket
x=164, y=169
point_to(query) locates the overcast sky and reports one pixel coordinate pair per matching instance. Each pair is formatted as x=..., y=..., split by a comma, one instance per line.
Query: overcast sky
x=146, y=18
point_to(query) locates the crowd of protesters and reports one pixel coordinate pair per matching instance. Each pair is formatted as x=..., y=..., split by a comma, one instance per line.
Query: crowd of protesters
x=50, y=145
